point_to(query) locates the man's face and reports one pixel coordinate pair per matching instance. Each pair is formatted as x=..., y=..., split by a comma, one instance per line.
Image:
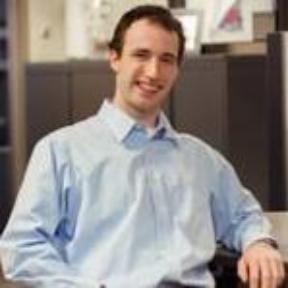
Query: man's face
x=146, y=69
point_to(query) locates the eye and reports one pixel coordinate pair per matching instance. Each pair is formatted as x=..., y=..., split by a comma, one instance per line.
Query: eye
x=141, y=55
x=169, y=59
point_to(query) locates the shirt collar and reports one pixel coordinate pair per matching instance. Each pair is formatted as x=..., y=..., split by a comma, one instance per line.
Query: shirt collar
x=122, y=124
x=165, y=128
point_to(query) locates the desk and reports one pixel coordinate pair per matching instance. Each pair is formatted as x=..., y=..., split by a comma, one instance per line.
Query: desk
x=279, y=221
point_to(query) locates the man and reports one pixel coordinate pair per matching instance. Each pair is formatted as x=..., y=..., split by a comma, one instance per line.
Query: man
x=123, y=200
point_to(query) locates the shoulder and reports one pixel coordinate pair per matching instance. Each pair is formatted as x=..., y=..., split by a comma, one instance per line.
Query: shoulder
x=77, y=132
x=75, y=136
x=203, y=153
x=199, y=146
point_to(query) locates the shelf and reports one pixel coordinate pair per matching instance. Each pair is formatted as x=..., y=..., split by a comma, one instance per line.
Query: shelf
x=3, y=65
x=3, y=132
x=2, y=121
x=3, y=33
x=6, y=149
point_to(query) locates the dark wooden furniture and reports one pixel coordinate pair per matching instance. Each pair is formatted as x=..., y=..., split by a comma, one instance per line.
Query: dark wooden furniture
x=5, y=147
x=281, y=15
x=277, y=91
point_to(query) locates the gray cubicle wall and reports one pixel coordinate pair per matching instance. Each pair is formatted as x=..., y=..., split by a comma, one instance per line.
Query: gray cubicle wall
x=200, y=100
x=90, y=83
x=59, y=94
x=277, y=122
x=248, y=123
x=48, y=100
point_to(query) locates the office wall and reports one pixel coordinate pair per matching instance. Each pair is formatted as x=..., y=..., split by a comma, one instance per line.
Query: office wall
x=46, y=30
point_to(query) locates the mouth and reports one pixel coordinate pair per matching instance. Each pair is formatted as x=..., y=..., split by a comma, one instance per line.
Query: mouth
x=149, y=87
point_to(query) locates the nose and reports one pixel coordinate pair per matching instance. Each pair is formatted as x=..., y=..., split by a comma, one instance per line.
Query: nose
x=152, y=68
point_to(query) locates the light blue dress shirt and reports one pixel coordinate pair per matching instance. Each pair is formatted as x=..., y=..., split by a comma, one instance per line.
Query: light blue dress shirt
x=105, y=201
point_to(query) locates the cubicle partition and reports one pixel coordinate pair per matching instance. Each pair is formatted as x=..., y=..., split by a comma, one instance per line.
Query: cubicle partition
x=277, y=88
x=284, y=38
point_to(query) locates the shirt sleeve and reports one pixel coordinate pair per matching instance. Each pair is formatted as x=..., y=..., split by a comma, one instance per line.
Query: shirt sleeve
x=238, y=216
x=32, y=246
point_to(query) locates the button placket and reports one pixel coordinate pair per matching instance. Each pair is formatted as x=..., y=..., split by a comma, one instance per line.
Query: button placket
x=159, y=199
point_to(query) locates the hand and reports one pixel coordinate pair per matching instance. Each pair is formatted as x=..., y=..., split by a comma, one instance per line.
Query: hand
x=261, y=265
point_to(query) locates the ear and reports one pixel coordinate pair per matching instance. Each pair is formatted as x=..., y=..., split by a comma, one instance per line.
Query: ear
x=114, y=59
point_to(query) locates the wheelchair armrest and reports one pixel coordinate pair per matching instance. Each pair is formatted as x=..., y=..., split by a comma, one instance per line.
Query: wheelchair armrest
x=224, y=266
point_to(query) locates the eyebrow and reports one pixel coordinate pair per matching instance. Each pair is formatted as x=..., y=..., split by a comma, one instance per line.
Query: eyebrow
x=144, y=50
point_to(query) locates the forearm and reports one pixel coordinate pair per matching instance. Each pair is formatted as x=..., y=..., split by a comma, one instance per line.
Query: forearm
x=239, y=217
x=251, y=228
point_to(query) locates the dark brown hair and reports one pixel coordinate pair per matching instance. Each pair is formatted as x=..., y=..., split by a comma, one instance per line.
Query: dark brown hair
x=154, y=13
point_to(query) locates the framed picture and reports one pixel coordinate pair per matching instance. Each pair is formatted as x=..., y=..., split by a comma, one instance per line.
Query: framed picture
x=214, y=13
x=191, y=21
x=240, y=31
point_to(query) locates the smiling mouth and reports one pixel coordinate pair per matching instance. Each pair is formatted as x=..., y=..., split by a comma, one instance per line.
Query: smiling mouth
x=149, y=88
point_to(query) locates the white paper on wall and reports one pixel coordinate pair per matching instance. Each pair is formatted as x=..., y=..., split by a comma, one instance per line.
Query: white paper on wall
x=262, y=5
x=46, y=30
x=77, y=24
x=254, y=5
